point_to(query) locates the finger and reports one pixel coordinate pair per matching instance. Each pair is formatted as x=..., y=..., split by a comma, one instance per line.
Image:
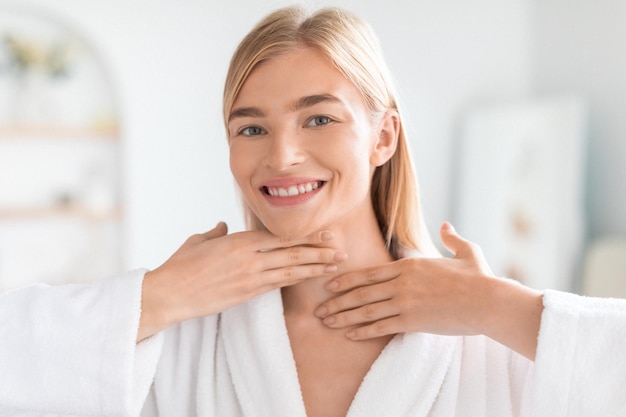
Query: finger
x=300, y=255
x=268, y=241
x=388, y=326
x=368, y=276
x=358, y=297
x=289, y=275
x=221, y=229
x=362, y=315
x=459, y=246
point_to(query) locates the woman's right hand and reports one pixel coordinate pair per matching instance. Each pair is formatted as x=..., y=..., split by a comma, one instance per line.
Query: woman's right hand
x=213, y=271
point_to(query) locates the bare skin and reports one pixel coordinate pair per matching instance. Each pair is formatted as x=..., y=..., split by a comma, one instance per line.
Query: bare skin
x=315, y=129
x=342, y=303
x=214, y=271
x=457, y=296
x=331, y=366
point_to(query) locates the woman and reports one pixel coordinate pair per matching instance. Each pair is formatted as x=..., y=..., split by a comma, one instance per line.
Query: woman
x=303, y=112
x=318, y=150
x=317, y=143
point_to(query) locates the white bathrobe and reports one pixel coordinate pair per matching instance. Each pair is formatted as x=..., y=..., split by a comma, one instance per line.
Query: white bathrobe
x=78, y=358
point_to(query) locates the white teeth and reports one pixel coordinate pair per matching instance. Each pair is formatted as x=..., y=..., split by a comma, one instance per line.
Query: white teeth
x=293, y=190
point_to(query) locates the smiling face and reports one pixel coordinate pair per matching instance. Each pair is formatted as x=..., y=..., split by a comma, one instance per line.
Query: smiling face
x=303, y=145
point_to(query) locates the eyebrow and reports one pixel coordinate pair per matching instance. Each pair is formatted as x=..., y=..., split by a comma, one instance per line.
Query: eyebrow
x=303, y=102
x=245, y=112
x=308, y=101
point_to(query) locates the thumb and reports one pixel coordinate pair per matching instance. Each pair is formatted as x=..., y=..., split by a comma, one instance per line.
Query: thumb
x=452, y=241
x=221, y=229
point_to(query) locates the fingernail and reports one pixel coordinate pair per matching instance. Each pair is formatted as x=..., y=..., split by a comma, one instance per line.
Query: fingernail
x=340, y=256
x=321, y=311
x=351, y=334
x=332, y=285
x=330, y=320
x=326, y=235
x=448, y=227
x=330, y=268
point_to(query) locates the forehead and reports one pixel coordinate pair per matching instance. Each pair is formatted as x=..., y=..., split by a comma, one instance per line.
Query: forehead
x=292, y=75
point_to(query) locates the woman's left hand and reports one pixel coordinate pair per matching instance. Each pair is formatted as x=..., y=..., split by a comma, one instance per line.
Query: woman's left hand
x=451, y=296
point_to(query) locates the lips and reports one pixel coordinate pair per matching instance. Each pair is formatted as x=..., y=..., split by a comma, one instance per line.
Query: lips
x=293, y=191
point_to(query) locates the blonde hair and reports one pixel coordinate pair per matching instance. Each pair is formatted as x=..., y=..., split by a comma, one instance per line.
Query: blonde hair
x=353, y=48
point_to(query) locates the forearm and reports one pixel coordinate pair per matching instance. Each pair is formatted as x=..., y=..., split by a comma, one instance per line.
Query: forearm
x=513, y=316
x=157, y=312
x=212, y=272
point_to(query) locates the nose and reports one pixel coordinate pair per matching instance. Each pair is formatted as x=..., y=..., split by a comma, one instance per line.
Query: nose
x=285, y=150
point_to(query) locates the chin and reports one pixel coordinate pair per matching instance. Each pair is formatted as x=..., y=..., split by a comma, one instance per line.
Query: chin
x=289, y=230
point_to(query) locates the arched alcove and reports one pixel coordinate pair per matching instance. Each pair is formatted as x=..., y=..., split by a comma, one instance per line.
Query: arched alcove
x=60, y=201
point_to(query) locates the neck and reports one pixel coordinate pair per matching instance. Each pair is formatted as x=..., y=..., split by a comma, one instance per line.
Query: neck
x=365, y=246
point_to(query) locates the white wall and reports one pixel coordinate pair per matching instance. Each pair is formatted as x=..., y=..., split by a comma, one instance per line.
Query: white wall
x=580, y=47
x=169, y=59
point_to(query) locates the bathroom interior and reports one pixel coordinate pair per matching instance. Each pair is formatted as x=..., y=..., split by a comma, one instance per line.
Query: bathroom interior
x=113, y=151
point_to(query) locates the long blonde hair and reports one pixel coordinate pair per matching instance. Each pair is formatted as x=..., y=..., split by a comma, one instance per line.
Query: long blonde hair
x=353, y=48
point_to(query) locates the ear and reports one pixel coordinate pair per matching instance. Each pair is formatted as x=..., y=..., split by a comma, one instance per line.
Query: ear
x=387, y=138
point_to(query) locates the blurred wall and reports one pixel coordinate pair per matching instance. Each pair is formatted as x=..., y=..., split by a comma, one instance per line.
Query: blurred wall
x=580, y=47
x=169, y=59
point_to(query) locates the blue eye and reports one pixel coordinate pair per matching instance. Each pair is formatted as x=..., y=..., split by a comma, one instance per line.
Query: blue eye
x=251, y=131
x=319, y=121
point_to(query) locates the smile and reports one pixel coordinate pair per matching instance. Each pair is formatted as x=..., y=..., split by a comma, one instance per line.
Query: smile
x=293, y=190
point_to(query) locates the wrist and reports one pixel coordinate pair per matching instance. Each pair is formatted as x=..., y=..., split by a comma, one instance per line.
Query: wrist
x=154, y=317
x=513, y=315
x=489, y=305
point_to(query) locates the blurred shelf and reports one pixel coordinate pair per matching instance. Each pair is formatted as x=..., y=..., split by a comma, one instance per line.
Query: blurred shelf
x=76, y=211
x=56, y=132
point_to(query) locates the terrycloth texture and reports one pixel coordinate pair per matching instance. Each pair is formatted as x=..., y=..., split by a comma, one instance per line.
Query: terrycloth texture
x=246, y=368
x=263, y=370
x=581, y=357
x=188, y=350
x=70, y=350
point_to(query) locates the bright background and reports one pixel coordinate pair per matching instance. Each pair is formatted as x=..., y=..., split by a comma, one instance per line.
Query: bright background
x=168, y=60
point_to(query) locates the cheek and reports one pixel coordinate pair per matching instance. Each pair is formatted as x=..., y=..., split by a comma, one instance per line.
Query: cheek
x=354, y=173
x=240, y=164
x=356, y=155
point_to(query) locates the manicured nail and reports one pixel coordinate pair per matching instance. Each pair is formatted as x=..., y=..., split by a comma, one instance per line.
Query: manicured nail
x=326, y=235
x=321, y=311
x=340, y=256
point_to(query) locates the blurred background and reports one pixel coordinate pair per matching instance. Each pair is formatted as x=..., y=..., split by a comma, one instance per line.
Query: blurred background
x=113, y=152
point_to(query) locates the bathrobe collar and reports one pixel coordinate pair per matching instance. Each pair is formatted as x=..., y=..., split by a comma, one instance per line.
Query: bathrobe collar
x=404, y=380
